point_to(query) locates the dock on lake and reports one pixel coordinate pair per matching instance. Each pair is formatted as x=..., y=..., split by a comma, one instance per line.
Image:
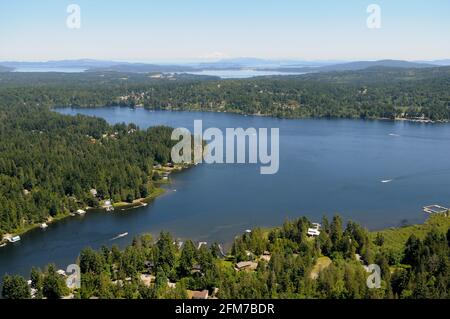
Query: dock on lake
x=435, y=209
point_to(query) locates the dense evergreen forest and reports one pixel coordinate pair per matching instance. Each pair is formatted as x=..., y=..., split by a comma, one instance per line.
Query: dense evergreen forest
x=279, y=263
x=49, y=163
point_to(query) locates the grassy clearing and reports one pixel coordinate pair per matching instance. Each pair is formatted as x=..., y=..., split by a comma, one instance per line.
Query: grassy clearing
x=138, y=202
x=395, y=238
x=321, y=264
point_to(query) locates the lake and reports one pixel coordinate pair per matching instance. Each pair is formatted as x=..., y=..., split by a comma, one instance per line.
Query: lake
x=242, y=73
x=378, y=173
x=223, y=74
x=49, y=69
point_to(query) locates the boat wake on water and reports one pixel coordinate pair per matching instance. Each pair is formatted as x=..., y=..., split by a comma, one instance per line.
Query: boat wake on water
x=429, y=173
x=119, y=236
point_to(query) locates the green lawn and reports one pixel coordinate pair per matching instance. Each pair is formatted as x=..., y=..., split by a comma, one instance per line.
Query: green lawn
x=321, y=264
x=395, y=238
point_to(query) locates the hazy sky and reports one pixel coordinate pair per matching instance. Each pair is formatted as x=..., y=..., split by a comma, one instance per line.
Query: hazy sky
x=164, y=30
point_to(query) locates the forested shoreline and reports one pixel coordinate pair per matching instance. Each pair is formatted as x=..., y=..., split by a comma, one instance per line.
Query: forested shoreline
x=373, y=93
x=52, y=165
x=283, y=262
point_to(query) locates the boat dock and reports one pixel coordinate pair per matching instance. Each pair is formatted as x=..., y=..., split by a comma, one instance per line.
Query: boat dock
x=435, y=209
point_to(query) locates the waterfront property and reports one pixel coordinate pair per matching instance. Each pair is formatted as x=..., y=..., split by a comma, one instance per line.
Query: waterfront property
x=80, y=212
x=204, y=294
x=313, y=232
x=246, y=265
x=13, y=239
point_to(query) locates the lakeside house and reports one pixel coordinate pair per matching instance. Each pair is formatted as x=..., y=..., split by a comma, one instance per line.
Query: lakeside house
x=202, y=243
x=204, y=294
x=265, y=256
x=317, y=226
x=171, y=285
x=312, y=232
x=196, y=269
x=61, y=273
x=80, y=212
x=108, y=206
x=147, y=280
x=13, y=239
x=315, y=230
x=246, y=265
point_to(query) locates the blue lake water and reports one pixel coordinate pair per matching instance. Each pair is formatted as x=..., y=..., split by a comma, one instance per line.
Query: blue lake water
x=224, y=74
x=326, y=167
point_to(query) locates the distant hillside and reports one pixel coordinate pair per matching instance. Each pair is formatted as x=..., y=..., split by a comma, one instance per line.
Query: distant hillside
x=144, y=68
x=5, y=68
x=445, y=62
x=360, y=65
x=82, y=63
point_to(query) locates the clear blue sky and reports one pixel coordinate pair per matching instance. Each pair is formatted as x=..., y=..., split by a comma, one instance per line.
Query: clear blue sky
x=164, y=30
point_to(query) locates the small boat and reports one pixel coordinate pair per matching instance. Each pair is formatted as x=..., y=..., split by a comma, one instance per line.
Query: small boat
x=2, y=245
x=14, y=239
x=43, y=226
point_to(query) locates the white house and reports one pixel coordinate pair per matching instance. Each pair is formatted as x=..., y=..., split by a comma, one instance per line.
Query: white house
x=313, y=232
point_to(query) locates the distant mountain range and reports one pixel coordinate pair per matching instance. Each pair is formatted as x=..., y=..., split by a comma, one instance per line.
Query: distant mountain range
x=298, y=66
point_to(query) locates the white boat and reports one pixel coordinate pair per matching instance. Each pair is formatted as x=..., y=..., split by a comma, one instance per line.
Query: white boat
x=43, y=226
x=2, y=245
